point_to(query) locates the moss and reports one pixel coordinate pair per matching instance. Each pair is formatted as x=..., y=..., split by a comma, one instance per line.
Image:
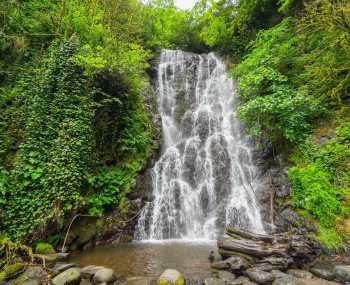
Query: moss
x=44, y=248
x=329, y=237
x=11, y=271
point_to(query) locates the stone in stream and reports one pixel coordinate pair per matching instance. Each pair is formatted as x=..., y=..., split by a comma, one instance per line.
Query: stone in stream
x=71, y=276
x=104, y=275
x=214, y=281
x=302, y=274
x=226, y=276
x=60, y=267
x=342, y=273
x=171, y=277
x=259, y=276
x=139, y=281
x=242, y=281
x=234, y=263
x=278, y=274
x=288, y=280
x=89, y=271
x=323, y=270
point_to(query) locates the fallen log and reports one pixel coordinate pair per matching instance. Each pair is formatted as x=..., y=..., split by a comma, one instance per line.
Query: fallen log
x=236, y=232
x=251, y=248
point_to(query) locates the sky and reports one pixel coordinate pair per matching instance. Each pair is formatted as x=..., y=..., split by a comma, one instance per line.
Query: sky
x=185, y=4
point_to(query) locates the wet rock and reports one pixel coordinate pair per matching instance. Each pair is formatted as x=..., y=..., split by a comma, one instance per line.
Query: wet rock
x=214, y=281
x=342, y=273
x=226, y=276
x=171, y=277
x=323, y=270
x=242, y=281
x=31, y=282
x=60, y=267
x=234, y=263
x=288, y=280
x=89, y=271
x=106, y=275
x=300, y=273
x=278, y=274
x=62, y=256
x=275, y=262
x=71, y=276
x=259, y=276
x=140, y=281
x=85, y=282
x=31, y=273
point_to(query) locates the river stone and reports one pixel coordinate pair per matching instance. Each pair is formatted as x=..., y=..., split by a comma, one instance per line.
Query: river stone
x=106, y=275
x=226, y=276
x=259, y=276
x=32, y=273
x=242, y=281
x=342, y=273
x=234, y=263
x=139, y=281
x=89, y=271
x=171, y=277
x=323, y=270
x=72, y=276
x=60, y=267
x=32, y=282
x=85, y=282
x=288, y=280
x=214, y=281
x=278, y=274
x=303, y=274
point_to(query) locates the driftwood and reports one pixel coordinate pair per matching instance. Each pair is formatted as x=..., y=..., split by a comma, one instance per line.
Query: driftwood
x=277, y=251
x=235, y=232
x=251, y=248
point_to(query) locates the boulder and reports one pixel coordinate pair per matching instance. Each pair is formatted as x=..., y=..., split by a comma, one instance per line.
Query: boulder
x=226, y=276
x=104, y=275
x=278, y=274
x=234, y=263
x=60, y=267
x=71, y=276
x=259, y=276
x=288, y=280
x=171, y=277
x=85, y=282
x=31, y=282
x=139, y=281
x=89, y=271
x=214, y=281
x=242, y=281
x=302, y=274
x=342, y=273
x=323, y=270
x=32, y=274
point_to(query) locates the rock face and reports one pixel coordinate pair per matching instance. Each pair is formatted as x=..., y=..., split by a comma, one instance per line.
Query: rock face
x=342, y=273
x=71, y=276
x=171, y=277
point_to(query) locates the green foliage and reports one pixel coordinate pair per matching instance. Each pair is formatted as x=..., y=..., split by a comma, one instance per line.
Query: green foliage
x=272, y=105
x=44, y=248
x=321, y=182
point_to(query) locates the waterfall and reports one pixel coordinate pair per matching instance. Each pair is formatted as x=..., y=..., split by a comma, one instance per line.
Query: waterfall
x=205, y=178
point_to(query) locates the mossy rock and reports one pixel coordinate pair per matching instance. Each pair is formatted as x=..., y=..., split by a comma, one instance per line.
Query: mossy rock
x=171, y=277
x=12, y=271
x=44, y=248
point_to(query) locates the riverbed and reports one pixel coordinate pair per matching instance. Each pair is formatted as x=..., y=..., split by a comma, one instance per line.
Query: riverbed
x=150, y=259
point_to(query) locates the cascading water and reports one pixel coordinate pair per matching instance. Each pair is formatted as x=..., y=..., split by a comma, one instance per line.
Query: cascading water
x=205, y=178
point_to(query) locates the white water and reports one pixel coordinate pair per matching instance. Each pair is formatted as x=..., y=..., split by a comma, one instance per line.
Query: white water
x=205, y=178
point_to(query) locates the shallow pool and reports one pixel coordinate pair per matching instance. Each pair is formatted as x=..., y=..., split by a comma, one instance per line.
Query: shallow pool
x=152, y=258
